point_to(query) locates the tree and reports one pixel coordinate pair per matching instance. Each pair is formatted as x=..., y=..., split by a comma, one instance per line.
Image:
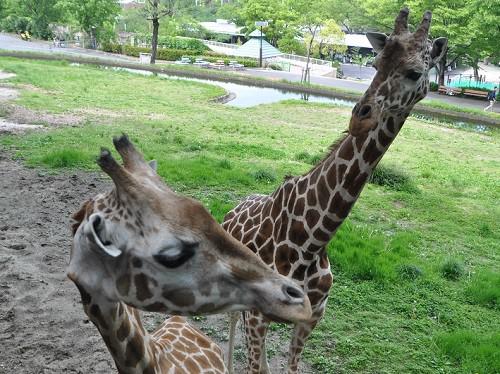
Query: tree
x=154, y=11
x=30, y=15
x=279, y=14
x=330, y=40
x=471, y=26
x=95, y=17
x=310, y=18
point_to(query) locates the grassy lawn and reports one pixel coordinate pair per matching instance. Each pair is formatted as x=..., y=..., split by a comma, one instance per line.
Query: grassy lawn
x=416, y=265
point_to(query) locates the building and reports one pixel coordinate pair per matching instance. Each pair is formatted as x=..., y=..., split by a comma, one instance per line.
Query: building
x=226, y=28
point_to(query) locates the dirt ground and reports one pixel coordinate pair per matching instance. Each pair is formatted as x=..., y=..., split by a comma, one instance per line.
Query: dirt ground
x=42, y=325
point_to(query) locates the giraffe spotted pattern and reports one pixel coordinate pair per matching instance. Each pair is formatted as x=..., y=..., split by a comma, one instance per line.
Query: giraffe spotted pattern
x=290, y=228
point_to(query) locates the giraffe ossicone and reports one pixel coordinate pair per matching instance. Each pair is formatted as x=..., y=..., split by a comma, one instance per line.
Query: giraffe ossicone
x=142, y=246
x=290, y=228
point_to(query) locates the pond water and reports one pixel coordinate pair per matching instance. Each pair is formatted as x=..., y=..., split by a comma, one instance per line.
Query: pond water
x=247, y=96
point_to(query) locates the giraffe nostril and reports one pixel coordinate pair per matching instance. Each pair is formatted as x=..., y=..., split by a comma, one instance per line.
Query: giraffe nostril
x=365, y=110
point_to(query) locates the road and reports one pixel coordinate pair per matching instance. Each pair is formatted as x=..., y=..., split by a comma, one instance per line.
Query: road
x=14, y=43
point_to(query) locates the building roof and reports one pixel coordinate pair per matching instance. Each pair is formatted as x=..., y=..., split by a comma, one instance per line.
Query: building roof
x=357, y=40
x=256, y=34
x=252, y=49
x=222, y=26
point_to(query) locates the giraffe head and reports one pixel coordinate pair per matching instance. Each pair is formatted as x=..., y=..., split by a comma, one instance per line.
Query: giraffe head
x=147, y=246
x=403, y=62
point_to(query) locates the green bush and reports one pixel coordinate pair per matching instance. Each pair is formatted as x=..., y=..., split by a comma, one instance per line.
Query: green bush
x=433, y=86
x=169, y=54
x=484, y=289
x=392, y=178
x=452, y=269
x=194, y=46
x=112, y=47
x=264, y=176
x=409, y=272
x=475, y=352
x=308, y=158
x=275, y=67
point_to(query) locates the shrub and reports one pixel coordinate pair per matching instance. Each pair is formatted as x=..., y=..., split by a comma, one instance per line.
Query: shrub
x=484, y=289
x=264, y=176
x=308, y=158
x=275, y=67
x=409, y=272
x=194, y=46
x=169, y=54
x=434, y=86
x=475, y=352
x=393, y=179
x=112, y=47
x=452, y=269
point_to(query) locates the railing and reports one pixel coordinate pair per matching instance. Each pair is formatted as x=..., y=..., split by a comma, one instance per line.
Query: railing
x=312, y=60
x=286, y=56
x=219, y=44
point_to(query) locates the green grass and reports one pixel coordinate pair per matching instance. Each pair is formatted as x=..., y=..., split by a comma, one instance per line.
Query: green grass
x=477, y=353
x=433, y=198
x=484, y=289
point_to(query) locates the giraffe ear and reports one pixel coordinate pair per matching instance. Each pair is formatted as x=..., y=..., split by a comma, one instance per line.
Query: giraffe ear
x=438, y=51
x=153, y=164
x=377, y=40
x=96, y=231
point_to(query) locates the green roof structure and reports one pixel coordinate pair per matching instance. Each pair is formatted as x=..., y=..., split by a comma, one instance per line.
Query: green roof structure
x=252, y=46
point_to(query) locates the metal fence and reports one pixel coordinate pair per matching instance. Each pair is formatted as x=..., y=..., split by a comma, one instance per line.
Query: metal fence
x=219, y=44
x=312, y=60
x=286, y=56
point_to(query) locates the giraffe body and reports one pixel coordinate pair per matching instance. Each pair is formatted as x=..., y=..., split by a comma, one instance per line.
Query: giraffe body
x=290, y=228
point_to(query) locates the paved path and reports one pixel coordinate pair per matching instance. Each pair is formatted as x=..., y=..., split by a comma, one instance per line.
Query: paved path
x=14, y=43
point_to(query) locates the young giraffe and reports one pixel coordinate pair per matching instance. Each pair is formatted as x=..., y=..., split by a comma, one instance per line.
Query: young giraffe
x=290, y=228
x=143, y=246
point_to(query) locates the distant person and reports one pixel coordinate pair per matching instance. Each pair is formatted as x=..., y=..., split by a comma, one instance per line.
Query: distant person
x=492, y=96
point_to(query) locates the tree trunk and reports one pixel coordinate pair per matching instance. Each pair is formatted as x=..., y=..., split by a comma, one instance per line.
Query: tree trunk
x=475, y=67
x=154, y=40
x=306, y=76
x=442, y=69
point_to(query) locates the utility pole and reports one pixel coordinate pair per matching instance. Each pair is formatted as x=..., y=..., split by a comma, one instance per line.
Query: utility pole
x=261, y=24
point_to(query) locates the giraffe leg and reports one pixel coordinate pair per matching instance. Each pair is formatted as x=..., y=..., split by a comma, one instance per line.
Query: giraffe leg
x=301, y=332
x=233, y=320
x=256, y=330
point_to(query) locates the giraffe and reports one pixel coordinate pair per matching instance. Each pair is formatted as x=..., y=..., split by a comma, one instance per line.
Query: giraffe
x=142, y=246
x=290, y=228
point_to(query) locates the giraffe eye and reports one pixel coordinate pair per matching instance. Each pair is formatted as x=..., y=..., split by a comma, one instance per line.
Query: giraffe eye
x=413, y=75
x=175, y=255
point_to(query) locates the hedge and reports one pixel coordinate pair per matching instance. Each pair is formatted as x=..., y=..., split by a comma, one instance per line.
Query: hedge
x=168, y=54
x=168, y=42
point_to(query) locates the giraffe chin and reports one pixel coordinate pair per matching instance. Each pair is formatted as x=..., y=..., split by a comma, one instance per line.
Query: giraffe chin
x=359, y=127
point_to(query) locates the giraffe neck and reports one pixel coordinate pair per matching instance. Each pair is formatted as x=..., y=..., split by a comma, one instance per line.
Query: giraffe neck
x=323, y=198
x=121, y=328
